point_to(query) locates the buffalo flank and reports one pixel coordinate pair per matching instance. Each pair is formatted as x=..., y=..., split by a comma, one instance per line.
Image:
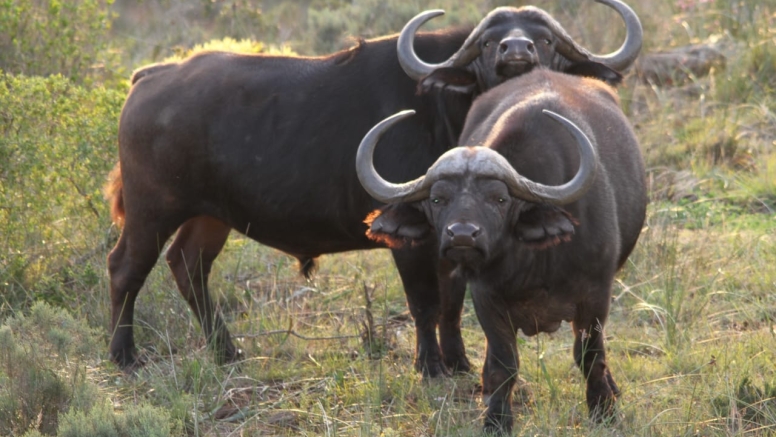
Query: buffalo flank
x=265, y=145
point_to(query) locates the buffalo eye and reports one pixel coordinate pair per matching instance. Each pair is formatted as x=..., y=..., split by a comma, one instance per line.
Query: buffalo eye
x=487, y=43
x=547, y=41
x=439, y=201
x=495, y=198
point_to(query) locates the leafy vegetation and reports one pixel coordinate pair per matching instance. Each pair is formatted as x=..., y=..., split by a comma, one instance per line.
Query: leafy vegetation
x=56, y=37
x=55, y=145
x=691, y=334
x=44, y=360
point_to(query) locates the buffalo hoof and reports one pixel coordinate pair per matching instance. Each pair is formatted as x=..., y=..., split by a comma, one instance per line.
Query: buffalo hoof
x=454, y=353
x=130, y=363
x=604, y=411
x=498, y=426
x=612, y=384
x=432, y=369
x=602, y=399
x=230, y=356
x=603, y=406
x=458, y=364
x=235, y=361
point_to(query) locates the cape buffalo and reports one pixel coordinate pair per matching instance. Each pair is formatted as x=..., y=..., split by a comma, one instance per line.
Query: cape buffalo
x=537, y=250
x=265, y=145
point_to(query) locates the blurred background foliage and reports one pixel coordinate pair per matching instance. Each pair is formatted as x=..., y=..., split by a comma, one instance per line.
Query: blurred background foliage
x=45, y=37
x=64, y=68
x=56, y=141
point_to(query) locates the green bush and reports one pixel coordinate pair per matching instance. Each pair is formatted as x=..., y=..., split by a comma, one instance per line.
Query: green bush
x=102, y=421
x=751, y=78
x=331, y=28
x=57, y=144
x=43, y=357
x=152, y=30
x=55, y=37
x=48, y=364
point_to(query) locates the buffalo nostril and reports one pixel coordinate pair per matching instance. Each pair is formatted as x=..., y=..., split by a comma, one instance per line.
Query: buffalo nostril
x=463, y=230
x=517, y=46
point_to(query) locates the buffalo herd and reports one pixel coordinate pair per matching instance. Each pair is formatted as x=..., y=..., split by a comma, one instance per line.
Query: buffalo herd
x=536, y=210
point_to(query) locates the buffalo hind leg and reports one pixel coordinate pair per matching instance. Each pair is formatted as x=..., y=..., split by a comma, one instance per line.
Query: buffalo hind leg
x=452, y=290
x=129, y=263
x=418, y=270
x=590, y=356
x=190, y=257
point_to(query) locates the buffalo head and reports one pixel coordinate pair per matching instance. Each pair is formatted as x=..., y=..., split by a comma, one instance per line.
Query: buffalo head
x=511, y=41
x=473, y=199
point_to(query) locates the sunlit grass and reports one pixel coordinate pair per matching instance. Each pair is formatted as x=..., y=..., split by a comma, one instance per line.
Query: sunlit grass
x=691, y=335
x=690, y=340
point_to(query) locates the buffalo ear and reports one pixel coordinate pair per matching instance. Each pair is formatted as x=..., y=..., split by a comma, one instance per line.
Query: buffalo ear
x=397, y=225
x=595, y=70
x=455, y=79
x=543, y=226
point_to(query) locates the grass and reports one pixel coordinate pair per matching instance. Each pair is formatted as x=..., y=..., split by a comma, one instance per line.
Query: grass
x=690, y=340
x=691, y=335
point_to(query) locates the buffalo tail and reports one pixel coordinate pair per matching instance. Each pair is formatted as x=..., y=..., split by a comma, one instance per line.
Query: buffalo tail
x=113, y=193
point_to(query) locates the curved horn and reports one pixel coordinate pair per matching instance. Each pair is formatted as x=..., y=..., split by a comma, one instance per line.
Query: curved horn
x=572, y=190
x=618, y=60
x=626, y=55
x=621, y=58
x=415, y=67
x=372, y=182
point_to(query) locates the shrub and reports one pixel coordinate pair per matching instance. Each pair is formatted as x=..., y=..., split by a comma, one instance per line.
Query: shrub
x=331, y=28
x=55, y=37
x=57, y=144
x=751, y=78
x=42, y=369
x=47, y=382
x=152, y=30
x=101, y=421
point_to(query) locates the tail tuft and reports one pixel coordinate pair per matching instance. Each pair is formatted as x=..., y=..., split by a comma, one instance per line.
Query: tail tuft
x=113, y=193
x=307, y=266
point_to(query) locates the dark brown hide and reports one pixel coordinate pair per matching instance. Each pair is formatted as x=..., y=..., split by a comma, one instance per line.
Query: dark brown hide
x=493, y=237
x=265, y=145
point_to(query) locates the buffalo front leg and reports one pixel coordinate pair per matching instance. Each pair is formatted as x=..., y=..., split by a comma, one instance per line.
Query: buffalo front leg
x=590, y=356
x=499, y=371
x=190, y=257
x=452, y=291
x=129, y=263
x=418, y=270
